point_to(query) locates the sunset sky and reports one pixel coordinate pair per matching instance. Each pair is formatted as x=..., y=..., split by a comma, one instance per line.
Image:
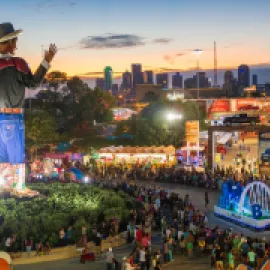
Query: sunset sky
x=96, y=33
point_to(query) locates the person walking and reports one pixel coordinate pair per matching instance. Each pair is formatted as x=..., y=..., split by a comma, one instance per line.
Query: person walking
x=28, y=246
x=206, y=199
x=109, y=257
x=143, y=258
x=219, y=258
x=231, y=263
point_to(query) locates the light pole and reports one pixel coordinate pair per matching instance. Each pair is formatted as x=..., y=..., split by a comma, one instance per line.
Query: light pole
x=198, y=52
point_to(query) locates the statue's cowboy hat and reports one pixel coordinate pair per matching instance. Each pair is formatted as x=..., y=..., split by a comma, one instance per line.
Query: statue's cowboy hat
x=7, y=32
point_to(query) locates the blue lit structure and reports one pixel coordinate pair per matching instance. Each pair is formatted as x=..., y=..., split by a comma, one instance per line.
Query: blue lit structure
x=246, y=206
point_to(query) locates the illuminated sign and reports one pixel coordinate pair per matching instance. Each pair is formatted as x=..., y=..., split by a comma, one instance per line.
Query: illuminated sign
x=252, y=88
x=192, y=131
x=176, y=96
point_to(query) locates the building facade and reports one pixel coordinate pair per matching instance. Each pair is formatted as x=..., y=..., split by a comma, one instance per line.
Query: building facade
x=177, y=80
x=126, y=80
x=144, y=91
x=148, y=77
x=230, y=84
x=137, y=75
x=100, y=83
x=254, y=79
x=163, y=80
x=243, y=76
x=193, y=82
x=115, y=89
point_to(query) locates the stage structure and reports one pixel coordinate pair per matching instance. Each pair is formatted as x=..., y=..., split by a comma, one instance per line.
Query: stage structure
x=245, y=206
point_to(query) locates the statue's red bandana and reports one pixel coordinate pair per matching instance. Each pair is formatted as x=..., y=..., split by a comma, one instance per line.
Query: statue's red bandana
x=16, y=62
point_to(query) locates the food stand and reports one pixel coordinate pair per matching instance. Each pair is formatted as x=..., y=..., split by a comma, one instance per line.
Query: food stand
x=137, y=155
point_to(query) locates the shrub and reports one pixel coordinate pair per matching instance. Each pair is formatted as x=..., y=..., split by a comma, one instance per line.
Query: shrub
x=59, y=206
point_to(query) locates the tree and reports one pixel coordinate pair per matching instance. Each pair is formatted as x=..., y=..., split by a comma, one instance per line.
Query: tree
x=55, y=78
x=77, y=88
x=151, y=127
x=40, y=130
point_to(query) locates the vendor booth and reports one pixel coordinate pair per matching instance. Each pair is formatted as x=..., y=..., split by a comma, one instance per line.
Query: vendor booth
x=137, y=155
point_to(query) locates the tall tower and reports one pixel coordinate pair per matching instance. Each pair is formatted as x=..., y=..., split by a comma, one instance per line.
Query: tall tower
x=137, y=75
x=244, y=76
x=177, y=80
x=254, y=79
x=127, y=80
x=108, y=78
x=163, y=80
x=215, y=64
x=148, y=77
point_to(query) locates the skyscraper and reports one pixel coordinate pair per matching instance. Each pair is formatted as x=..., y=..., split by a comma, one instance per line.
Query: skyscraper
x=115, y=89
x=192, y=82
x=148, y=77
x=230, y=84
x=243, y=76
x=254, y=79
x=100, y=83
x=228, y=76
x=162, y=78
x=126, y=80
x=177, y=80
x=108, y=78
x=137, y=75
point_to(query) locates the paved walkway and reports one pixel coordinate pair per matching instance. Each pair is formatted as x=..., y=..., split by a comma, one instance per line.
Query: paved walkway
x=201, y=263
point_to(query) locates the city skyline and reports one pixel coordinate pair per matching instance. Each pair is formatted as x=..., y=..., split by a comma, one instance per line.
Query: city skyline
x=94, y=34
x=262, y=75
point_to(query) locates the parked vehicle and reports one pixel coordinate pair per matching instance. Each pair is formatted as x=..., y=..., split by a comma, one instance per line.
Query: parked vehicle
x=241, y=119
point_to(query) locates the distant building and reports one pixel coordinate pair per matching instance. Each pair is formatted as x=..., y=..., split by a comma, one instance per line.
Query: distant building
x=267, y=89
x=243, y=76
x=137, y=75
x=115, y=89
x=163, y=79
x=230, y=84
x=100, y=83
x=126, y=80
x=155, y=92
x=254, y=79
x=148, y=77
x=192, y=82
x=108, y=78
x=177, y=80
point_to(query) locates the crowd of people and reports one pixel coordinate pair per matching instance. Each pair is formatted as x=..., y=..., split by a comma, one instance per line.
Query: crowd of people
x=184, y=230
x=178, y=174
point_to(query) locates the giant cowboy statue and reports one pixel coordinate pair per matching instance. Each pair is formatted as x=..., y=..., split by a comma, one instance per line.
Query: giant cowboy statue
x=15, y=76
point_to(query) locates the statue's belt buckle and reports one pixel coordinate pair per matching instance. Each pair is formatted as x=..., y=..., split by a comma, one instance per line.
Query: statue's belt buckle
x=11, y=110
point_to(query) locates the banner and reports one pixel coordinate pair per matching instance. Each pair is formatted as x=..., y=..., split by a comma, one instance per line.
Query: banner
x=192, y=131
